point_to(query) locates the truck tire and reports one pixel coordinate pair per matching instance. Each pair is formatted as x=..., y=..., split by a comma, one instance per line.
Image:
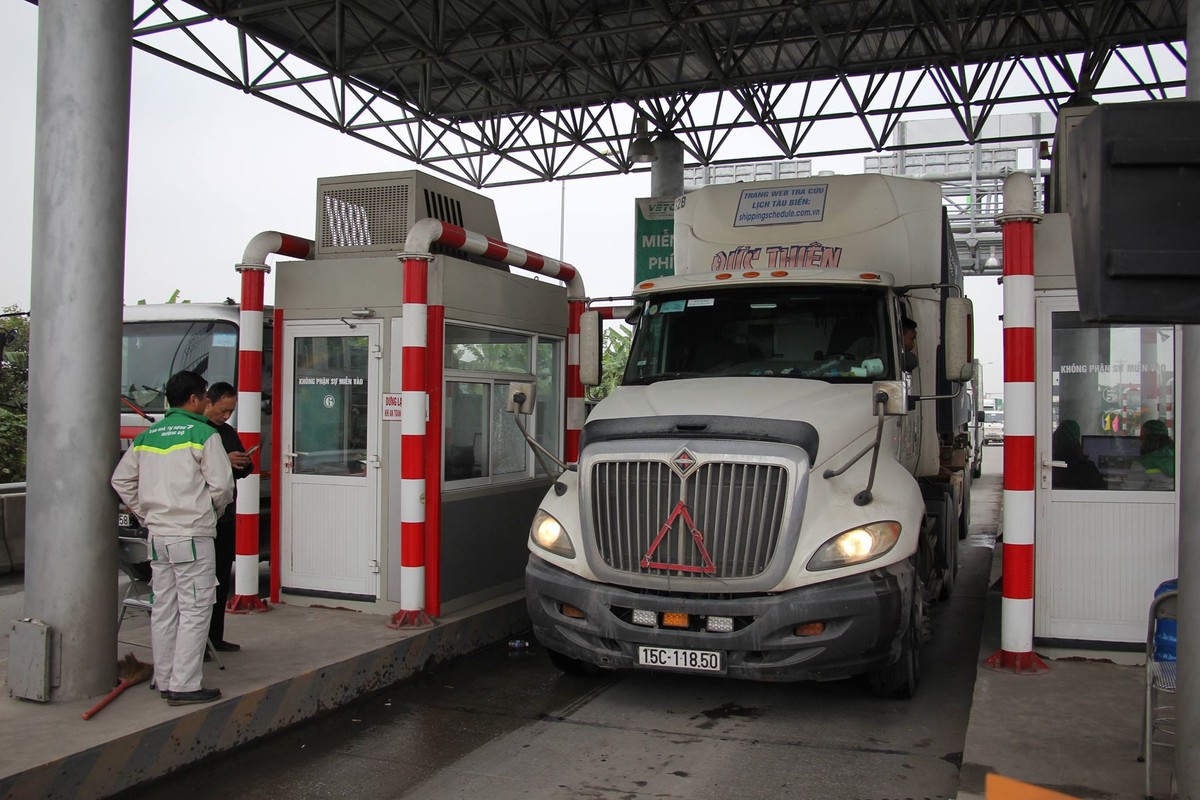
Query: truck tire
x=899, y=680
x=571, y=666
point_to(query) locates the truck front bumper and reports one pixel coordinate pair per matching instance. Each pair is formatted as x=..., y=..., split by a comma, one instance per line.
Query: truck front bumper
x=864, y=616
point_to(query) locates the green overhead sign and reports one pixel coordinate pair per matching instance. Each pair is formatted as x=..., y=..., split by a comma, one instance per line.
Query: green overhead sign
x=654, y=252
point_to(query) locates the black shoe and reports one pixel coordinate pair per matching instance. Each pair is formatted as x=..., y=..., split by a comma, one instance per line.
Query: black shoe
x=191, y=698
x=226, y=647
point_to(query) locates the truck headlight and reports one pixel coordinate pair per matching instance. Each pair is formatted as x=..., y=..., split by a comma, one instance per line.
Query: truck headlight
x=549, y=534
x=856, y=545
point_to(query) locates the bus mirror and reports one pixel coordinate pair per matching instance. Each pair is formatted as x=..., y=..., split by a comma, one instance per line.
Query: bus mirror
x=589, y=348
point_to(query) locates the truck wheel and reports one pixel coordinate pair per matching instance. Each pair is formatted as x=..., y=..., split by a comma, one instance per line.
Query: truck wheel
x=571, y=666
x=899, y=680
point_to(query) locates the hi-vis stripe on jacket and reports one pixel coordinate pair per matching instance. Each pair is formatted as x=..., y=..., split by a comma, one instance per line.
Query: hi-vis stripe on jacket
x=176, y=477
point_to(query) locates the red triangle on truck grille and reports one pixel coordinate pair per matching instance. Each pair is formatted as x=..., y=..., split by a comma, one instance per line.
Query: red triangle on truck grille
x=680, y=510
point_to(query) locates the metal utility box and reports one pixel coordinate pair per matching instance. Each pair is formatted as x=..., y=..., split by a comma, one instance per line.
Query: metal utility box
x=369, y=215
x=29, y=660
x=1133, y=178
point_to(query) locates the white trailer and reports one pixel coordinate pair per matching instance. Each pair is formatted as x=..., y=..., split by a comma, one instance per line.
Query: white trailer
x=777, y=488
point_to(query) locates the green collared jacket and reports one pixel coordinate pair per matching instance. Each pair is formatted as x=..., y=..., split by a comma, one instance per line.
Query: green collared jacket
x=176, y=476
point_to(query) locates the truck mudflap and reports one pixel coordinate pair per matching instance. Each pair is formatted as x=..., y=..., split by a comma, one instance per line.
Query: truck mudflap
x=864, y=621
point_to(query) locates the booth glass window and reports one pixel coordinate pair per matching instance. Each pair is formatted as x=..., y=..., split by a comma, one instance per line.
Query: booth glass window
x=330, y=405
x=482, y=442
x=1113, y=405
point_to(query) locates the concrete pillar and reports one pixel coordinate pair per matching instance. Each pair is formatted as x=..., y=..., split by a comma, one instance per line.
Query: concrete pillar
x=666, y=174
x=80, y=166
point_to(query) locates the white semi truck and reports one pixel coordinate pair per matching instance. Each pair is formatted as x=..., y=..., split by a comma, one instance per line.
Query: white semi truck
x=776, y=489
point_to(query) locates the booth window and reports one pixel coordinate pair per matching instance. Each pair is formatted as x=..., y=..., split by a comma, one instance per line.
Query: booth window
x=482, y=442
x=1113, y=405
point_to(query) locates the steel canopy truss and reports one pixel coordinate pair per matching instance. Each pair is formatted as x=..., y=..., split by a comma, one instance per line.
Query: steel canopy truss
x=493, y=92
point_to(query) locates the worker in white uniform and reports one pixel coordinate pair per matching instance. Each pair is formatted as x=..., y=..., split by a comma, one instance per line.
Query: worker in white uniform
x=177, y=479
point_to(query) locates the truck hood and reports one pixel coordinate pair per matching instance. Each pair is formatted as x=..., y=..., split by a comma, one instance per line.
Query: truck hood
x=840, y=412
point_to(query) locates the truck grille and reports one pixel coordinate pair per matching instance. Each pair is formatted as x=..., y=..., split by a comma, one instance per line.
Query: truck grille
x=737, y=508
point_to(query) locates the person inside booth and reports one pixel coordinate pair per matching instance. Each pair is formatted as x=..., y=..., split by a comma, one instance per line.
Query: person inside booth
x=1154, y=469
x=1080, y=472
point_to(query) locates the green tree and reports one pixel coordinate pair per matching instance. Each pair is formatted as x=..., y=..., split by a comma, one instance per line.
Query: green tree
x=617, y=339
x=14, y=393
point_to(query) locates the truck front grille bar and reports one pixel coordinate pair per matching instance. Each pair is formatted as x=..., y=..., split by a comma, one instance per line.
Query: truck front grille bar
x=737, y=509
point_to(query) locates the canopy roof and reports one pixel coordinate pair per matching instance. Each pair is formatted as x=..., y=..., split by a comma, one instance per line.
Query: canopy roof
x=491, y=92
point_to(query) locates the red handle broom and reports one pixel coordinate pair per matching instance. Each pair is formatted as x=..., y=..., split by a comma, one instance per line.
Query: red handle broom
x=130, y=671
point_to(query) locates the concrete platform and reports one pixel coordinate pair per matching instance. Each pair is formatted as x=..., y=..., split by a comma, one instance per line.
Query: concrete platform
x=1074, y=729
x=297, y=662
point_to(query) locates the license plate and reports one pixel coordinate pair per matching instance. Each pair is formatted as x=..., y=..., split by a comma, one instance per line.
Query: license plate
x=674, y=658
x=123, y=520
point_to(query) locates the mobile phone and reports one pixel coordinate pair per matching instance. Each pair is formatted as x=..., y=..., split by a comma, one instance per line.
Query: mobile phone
x=253, y=450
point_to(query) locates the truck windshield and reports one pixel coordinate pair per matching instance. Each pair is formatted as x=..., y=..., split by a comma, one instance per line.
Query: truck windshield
x=151, y=352
x=838, y=334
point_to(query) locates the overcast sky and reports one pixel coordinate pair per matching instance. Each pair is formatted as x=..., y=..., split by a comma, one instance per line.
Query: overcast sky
x=209, y=167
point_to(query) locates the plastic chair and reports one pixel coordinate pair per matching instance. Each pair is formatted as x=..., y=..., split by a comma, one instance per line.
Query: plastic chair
x=1157, y=718
x=134, y=560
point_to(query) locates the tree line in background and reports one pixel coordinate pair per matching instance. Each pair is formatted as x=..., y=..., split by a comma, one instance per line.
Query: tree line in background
x=14, y=392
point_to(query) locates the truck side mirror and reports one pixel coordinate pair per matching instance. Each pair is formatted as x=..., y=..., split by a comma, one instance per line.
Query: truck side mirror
x=892, y=396
x=979, y=415
x=956, y=349
x=521, y=397
x=589, y=348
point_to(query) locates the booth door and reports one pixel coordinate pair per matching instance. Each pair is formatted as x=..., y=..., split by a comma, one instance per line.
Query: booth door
x=329, y=533
x=1106, y=531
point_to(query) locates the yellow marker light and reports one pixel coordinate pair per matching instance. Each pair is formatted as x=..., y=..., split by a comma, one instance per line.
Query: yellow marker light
x=779, y=273
x=751, y=274
x=674, y=619
x=571, y=611
x=868, y=276
x=810, y=629
x=724, y=276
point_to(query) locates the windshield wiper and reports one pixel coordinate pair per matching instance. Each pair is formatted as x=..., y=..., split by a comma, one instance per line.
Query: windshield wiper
x=135, y=408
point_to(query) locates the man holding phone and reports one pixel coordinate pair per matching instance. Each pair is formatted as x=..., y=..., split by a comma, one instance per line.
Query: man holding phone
x=222, y=399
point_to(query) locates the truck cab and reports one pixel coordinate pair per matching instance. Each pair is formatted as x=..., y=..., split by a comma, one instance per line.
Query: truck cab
x=775, y=489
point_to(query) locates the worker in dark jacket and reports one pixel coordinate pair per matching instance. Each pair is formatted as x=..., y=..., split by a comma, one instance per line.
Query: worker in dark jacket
x=222, y=399
x=1079, y=472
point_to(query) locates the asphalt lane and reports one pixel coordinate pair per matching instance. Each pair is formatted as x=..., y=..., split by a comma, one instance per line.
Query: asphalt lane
x=505, y=724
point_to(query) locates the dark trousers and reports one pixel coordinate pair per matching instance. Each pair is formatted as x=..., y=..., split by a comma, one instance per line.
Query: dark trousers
x=226, y=548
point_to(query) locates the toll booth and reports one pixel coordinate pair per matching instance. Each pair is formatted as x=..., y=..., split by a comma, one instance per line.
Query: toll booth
x=341, y=350
x=1106, y=503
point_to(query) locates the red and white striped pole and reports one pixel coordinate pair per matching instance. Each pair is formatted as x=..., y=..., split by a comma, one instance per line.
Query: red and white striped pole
x=414, y=399
x=414, y=388
x=1020, y=413
x=249, y=408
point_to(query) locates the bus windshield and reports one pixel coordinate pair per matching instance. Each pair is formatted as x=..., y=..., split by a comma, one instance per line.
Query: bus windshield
x=151, y=352
x=833, y=333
